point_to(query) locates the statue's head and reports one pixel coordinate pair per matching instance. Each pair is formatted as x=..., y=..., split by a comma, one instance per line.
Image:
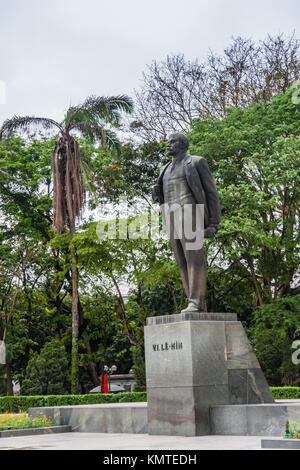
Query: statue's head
x=177, y=144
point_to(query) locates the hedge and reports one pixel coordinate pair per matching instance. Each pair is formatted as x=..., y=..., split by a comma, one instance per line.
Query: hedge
x=19, y=404
x=286, y=393
x=22, y=403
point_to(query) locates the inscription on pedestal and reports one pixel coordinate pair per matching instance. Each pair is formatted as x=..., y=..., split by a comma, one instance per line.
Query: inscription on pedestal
x=167, y=346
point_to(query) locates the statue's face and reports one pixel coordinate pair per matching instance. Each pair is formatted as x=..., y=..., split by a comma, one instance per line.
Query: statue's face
x=174, y=145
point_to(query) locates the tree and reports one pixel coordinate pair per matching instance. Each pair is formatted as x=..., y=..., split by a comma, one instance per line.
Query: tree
x=24, y=260
x=88, y=120
x=175, y=90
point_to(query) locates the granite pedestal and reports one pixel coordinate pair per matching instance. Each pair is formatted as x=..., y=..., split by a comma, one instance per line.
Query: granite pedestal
x=193, y=362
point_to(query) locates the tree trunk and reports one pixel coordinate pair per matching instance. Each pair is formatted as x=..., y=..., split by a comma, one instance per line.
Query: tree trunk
x=75, y=322
x=91, y=364
x=82, y=332
x=9, y=385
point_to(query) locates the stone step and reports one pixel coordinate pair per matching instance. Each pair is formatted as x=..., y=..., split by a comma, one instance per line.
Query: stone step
x=287, y=444
x=35, y=431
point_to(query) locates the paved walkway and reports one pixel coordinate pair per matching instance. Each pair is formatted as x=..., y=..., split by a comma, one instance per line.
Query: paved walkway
x=97, y=441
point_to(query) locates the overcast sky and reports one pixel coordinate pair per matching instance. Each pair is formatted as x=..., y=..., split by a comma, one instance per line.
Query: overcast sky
x=57, y=52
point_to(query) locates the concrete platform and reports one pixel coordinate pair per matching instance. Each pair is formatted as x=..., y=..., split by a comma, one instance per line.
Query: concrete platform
x=131, y=418
x=106, y=418
x=253, y=420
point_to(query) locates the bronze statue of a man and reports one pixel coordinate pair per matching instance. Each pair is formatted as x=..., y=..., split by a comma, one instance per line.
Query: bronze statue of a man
x=183, y=182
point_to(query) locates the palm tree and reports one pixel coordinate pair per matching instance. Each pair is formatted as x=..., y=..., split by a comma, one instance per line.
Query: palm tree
x=88, y=120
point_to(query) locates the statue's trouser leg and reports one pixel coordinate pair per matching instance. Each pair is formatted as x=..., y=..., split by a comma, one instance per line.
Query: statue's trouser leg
x=196, y=267
x=192, y=267
x=191, y=262
x=170, y=226
x=181, y=262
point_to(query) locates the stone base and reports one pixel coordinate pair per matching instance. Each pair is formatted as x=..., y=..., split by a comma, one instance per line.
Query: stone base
x=191, y=316
x=193, y=362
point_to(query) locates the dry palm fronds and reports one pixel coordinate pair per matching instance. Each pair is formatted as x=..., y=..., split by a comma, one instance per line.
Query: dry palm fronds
x=68, y=194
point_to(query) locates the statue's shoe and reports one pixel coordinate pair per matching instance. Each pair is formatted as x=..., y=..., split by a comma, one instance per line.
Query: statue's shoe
x=191, y=308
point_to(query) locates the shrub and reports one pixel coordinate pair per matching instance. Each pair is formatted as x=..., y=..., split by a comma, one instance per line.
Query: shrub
x=23, y=403
x=286, y=393
x=275, y=327
x=47, y=372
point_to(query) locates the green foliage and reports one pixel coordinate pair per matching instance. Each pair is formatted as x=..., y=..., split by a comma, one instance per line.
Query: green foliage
x=136, y=396
x=139, y=369
x=163, y=298
x=230, y=290
x=47, y=372
x=131, y=172
x=20, y=404
x=275, y=327
x=285, y=393
x=292, y=430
